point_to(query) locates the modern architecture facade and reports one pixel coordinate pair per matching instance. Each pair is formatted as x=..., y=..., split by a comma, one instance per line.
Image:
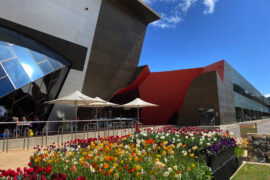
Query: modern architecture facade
x=212, y=95
x=51, y=48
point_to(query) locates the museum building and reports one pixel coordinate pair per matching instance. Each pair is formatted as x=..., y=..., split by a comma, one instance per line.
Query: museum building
x=51, y=48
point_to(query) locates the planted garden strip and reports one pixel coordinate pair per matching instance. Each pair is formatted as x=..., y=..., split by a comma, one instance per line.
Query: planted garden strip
x=151, y=154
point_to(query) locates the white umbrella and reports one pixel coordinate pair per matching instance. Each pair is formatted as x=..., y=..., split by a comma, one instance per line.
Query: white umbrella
x=138, y=103
x=75, y=99
x=100, y=104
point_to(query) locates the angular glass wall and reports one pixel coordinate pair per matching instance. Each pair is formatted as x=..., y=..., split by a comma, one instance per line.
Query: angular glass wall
x=30, y=74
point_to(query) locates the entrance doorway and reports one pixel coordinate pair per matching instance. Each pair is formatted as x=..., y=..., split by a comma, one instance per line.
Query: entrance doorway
x=207, y=116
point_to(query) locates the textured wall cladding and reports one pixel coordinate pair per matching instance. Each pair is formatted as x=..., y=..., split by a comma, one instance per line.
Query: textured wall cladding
x=115, y=51
x=202, y=92
x=226, y=96
x=168, y=90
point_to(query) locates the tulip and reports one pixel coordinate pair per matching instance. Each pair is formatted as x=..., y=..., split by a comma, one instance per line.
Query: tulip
x=73, y=168
x=25, y=175
x=30, y=170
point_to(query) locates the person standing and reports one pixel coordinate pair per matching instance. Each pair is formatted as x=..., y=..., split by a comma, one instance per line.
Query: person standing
x=25, y=123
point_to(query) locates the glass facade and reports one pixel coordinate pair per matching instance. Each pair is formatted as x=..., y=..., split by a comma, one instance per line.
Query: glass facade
x=30, y=74
x=246, y=96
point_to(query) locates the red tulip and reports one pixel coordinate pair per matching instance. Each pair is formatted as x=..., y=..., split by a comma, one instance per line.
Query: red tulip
x=30, y=170
x=43, y=177
x=48, y=169
x=25, y=175
x=38, y=169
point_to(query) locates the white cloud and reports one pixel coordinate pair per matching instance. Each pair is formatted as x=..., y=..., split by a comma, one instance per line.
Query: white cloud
x=179, y=9
x=167, y=22
x=267, y=95
x=186, y=4
x=210, y=5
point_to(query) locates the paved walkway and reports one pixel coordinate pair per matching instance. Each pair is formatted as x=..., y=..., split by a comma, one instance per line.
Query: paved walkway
x=15, y=158
x=262, y=125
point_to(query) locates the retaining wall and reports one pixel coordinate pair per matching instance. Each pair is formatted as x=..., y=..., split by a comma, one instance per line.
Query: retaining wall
x=259, y=147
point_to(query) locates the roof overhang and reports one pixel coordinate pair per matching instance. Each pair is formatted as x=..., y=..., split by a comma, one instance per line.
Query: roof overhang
x=142, y=9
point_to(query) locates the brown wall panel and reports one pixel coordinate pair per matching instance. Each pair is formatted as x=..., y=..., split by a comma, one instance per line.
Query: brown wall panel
x=226, y=97
x=202, y=92
x=115, y=51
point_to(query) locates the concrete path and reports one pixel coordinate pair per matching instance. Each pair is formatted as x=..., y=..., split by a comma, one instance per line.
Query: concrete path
x=15, y=158
x=262, y=125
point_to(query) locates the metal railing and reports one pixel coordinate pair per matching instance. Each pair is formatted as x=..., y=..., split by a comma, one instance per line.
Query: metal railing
x=62, y=132
x=26, y=130
x=5, y=140
x=72, y=127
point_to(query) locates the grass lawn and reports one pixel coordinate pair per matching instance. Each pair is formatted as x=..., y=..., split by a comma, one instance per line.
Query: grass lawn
x=254, y=172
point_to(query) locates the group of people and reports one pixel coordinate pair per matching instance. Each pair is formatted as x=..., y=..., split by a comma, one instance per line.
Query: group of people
x=22, y=124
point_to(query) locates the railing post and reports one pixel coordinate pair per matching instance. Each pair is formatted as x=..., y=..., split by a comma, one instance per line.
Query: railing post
x=87, y=127
x=71, y=131
x=47, y=131
x=42, y=133
x=26, y=130
x=5, y=140
x=62, y=130
x=108, y=133
x=97, y=129
x=16, y=131
x=113, y=127
x=130, y=127
x=76, y=128
x=121, y=126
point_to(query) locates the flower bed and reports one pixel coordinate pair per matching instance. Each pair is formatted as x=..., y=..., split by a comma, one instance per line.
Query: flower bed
x=151, y=154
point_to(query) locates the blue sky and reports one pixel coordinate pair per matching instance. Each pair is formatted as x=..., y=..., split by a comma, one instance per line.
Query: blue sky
x=196, y=33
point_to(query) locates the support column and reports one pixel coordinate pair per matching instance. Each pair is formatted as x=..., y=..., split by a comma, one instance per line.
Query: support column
x=243, y=115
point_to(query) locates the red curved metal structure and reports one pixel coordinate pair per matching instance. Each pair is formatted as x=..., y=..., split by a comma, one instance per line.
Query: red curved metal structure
x=167, y=89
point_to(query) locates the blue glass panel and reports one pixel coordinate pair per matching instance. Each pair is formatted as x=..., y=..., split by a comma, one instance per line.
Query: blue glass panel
x=5, y=52
x=38, y=57
x=46, y=67
x=56, y=64
x=2, y=72
x=6, y=87
x=51, y=55
x=16, y=73
x=28, y=63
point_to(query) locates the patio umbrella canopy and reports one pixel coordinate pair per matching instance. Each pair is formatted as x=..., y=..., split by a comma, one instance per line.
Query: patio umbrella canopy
x=100, y=104
x=75, y=99
x=138, y=103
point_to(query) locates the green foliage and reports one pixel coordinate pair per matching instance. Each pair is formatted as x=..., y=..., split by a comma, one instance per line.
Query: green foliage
x=239, y=151
x=253, y=172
